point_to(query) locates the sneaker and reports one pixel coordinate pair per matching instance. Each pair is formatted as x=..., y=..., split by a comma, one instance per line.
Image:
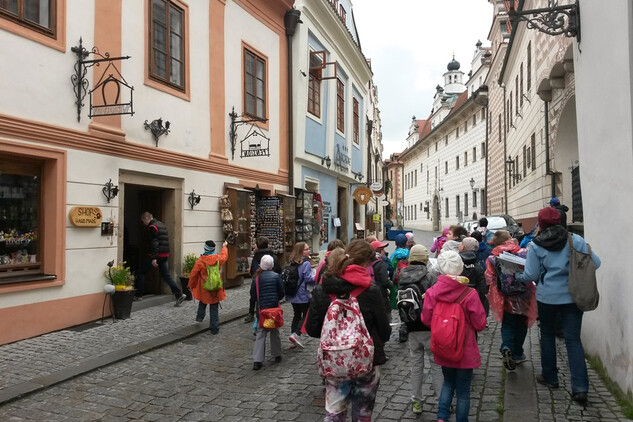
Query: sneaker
x=416, y=407
x=214, y=332
x=249, y=318
x=580, y=398
x=257, y=366
x=508, y=362
x=198, y=319
x=180, y=300
x=519, y=359
x=294, y=339
x=277, y=359
x=541, y=380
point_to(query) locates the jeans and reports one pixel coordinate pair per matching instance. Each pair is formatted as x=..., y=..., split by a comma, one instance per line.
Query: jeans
x=513, y=332
x=455, y=380
x=571, y=323
x=163, y=269
x=214, y=317
x=299, y=313
x=360, y=393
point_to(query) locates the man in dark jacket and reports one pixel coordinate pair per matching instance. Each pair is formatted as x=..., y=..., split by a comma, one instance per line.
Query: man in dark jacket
x=261, y=249
x=417, y=277
x=473, y=271
x=157, y=257
x=562, y=209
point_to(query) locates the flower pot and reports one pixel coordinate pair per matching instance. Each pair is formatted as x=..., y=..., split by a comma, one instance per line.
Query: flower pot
x=184, y=283
x=122, y=303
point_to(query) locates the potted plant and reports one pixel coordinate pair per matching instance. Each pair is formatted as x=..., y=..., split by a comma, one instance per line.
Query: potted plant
x=188, y=262
x=121, y=277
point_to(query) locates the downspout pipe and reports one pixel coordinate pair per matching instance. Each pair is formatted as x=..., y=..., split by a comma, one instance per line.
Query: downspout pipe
x=484, y=209
x=291, y=20
x=505, y=150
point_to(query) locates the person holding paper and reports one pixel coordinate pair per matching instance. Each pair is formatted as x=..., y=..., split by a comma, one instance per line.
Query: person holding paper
x=548, y=261
x=512, y=303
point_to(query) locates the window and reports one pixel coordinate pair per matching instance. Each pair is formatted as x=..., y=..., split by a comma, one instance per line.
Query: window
x=446, y=206
x=466, y=205
x=465, y=158
x=510, y=119
x=483, y=114
x=528, y=158
x=524, y=160
x=474, y=200
x=415, y=178
x=445, y=167
x=499, y=127
x=521, y=83
x=457, y=163
x=466, y=126
x=314, y=85
x=340, y=105
x=456, y=133
x=483, y=150
x=343, y=14
x=474, y=120
x=446, y=140
x=38, y=15
x=436, y=147
x=167, y=44
x=533, y=142
x=516, y=94
x=356, y=121
x=457, y=210
x=528, y=75
x=254, y=85
x=474, y=154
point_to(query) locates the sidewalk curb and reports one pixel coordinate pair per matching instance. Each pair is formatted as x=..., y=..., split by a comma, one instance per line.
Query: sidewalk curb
x=90, y=364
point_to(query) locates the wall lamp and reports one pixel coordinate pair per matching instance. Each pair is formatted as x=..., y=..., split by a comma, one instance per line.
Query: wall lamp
x=110, y=191
x=157, y=128
x=358, y=175
x=193, y=199
x=472, y=184
x=327, y=161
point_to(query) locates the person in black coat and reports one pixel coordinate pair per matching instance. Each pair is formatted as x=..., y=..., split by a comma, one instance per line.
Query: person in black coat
x=381, y=273
x=476, y=275
x=261, y=249
x=267, y=290
x=347, y=271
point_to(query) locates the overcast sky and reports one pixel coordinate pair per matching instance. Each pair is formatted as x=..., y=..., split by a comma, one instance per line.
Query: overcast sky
x=410, y=42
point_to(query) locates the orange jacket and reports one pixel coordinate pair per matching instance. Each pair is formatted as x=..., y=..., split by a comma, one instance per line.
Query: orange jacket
x=199, y=275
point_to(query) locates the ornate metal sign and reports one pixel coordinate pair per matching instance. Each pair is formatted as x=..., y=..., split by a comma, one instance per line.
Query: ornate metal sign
x=255, y=143
x=113, y=88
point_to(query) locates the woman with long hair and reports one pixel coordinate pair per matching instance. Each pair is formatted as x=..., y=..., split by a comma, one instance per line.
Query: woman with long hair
x=300, y=301
x=347, y=271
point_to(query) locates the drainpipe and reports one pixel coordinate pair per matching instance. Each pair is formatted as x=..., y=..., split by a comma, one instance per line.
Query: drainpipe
x=291, y=19
x=548, y=170
x=484, y=201
x=505, y=150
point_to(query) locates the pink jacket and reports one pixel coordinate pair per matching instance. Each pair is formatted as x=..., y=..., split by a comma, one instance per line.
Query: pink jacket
x=448, y=289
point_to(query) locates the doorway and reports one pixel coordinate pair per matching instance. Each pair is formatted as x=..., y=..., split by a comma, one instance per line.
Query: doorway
x=342, y=210
x=158, y=196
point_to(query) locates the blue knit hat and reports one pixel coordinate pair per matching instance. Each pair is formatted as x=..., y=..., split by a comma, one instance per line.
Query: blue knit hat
x=401, y=240
x=209, y=246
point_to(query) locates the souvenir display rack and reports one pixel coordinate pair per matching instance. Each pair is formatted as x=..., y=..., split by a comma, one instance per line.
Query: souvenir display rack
x=304, y=220
x=270, y=222
x=288, y=208
x=238, y=265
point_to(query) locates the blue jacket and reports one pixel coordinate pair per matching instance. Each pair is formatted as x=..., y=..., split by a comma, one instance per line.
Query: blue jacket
x=271, y=289
x=305, y=278
x=549, y=267
x=483, y=253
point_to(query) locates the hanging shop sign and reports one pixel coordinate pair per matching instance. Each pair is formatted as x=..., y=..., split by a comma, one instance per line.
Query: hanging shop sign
x=341, y=159
x=255, y=143
x=85, y=216
x=362, y=195
x=376, y=186
x=112, y=94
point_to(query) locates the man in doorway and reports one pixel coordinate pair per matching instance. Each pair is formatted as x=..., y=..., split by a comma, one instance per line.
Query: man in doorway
x=157, y=257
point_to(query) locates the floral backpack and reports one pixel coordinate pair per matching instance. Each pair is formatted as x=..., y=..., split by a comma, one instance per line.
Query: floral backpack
x=346, y=350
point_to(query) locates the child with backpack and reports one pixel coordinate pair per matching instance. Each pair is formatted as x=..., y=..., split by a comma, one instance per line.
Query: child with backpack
x=206, y=273
x=353, y=333
x=413, y=282
x=454, y=313
x=296, y=277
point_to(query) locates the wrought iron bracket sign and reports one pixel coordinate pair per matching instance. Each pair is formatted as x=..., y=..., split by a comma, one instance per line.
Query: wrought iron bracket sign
x=114, y=80
x=255, y=143
x=554, y=20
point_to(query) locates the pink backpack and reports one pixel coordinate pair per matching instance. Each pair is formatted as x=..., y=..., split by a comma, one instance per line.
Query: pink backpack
x=346, y=350
x=448, y=328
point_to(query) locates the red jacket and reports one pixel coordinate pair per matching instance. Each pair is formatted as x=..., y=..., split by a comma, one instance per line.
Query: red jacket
x=448, y=289
x=199, y=275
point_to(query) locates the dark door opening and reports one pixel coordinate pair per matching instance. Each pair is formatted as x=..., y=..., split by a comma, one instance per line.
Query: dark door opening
x=139, y=199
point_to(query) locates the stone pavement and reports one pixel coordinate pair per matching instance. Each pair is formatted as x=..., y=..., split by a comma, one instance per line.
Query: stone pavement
x=160, y=365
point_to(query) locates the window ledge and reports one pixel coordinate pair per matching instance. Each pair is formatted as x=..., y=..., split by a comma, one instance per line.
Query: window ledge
x=28, y=278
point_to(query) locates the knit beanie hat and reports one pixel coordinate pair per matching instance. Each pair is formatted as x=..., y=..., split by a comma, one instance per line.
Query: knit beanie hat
x=266, y=263
x=470, y=244
x=401, y=240
x=209, y=246
x=418, y=253
x=548, y=216
x=450, y=262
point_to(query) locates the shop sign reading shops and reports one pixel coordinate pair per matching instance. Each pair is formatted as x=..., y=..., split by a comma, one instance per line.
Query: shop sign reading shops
x=85, y=216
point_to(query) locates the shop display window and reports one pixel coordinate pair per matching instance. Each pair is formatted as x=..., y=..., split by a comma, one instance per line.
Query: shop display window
x=20, y=203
